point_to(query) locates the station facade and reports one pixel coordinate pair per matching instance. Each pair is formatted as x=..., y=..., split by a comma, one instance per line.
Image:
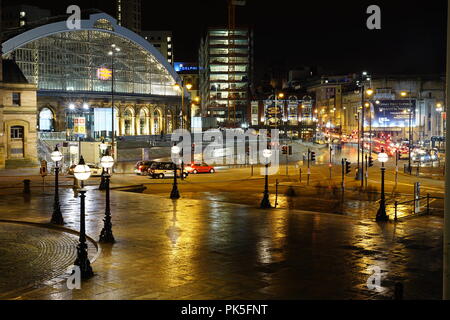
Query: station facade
x=89, y=76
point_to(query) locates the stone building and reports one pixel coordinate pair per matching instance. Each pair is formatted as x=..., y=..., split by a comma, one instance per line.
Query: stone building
x=17, y=118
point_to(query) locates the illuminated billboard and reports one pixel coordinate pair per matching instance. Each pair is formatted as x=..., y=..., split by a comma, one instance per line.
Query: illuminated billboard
x=394, y=113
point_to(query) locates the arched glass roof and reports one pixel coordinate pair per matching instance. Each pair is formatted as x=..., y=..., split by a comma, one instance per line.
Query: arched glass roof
x=59, y=59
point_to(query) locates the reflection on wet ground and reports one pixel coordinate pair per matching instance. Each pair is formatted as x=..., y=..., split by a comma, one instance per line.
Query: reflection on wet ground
x=192, y=249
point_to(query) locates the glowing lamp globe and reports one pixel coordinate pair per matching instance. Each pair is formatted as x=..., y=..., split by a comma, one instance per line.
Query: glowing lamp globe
x=176, y=149
x=107, y=162
x=56, y=155
x=383, y=157
x=267, y=153
x=82, y=171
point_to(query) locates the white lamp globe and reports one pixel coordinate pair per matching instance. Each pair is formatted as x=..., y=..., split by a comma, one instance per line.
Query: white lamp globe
x=56, y=155
x=107, y=162
x=267, y=153
x=82, y=171
x=176, y=149
x=383, y=157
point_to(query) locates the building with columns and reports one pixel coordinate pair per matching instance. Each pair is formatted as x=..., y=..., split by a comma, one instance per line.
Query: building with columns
x=81, y=73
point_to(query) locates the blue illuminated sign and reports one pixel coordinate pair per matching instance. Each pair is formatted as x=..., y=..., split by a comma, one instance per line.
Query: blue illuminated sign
x=183, y=67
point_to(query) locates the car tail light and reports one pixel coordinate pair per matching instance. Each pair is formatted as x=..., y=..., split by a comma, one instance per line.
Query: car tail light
x=140, y=168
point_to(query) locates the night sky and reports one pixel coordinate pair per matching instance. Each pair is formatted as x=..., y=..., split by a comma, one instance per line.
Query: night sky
x=330, y=34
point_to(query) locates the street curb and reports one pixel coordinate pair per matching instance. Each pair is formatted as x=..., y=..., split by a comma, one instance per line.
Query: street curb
x=58, y=228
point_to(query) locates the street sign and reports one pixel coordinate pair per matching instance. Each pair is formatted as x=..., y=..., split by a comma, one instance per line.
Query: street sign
x=417, y=197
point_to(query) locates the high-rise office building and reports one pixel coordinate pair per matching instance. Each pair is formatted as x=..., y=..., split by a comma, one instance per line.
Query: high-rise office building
x=128, y=13
x=20, y=15
x=226, y=67
x=161, y=40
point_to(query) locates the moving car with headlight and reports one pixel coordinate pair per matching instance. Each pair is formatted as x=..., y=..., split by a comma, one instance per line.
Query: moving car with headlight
x=199, y=168
x=96, y=171
x=423, y=155
x=161, y=170
x=141, y=167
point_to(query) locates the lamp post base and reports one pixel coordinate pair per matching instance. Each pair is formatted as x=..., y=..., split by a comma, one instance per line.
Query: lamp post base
x=381, y=213
x=57, y=217
x=265, y=202
x=106, y=235
x=83, y=262
x=175, y=194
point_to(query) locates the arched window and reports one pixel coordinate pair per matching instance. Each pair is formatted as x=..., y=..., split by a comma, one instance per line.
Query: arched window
x=142, y=122
x=128, y=117
x=46, y=120
x=156, y=121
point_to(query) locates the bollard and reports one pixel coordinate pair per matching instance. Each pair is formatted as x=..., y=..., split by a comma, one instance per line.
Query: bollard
x=398, y=293
x=26, y=186
x=291, y=192
x=276, y=193
x=395, y=210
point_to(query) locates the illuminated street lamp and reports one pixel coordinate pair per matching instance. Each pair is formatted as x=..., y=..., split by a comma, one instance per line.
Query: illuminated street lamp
x=265, y=203
x=106, y=235
x=175, y=194
x=381, y=214
x=369, y=92
x=57, y=217
x=113, y=52
x=82, y=172
x=181, y=86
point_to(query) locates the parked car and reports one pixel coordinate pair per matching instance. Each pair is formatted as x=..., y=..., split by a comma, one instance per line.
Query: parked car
x=161, y=170
x=199, y=168
x=141, y=167
x=96, y=170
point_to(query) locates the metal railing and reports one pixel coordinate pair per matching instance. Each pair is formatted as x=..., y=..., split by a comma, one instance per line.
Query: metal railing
x=413, y=211
x=52, y=135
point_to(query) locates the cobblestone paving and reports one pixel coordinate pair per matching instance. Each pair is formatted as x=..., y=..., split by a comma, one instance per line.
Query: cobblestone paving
x=31, y=255
x=193, y=249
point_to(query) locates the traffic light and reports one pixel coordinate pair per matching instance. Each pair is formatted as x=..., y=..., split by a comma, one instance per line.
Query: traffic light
x=313, y=156
x=370, y=161
x=290, y=150
x=347, y=166
x=284, y=149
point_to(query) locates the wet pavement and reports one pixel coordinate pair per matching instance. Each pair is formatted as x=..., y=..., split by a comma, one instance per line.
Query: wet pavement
x=199, y=249
x=32, y=254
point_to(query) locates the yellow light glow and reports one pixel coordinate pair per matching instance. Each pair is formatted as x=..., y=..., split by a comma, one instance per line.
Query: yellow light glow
x=369, y=92
x=281, y=95
x=189, y=86
x=403, y=93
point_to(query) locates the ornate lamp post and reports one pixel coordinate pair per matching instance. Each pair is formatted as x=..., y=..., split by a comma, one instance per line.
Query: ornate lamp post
x=265, y=203
x=381, y=214
x=106, y=235
x=82, y=172
x=57, y=217
x=175, y=194
x=103, y=147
